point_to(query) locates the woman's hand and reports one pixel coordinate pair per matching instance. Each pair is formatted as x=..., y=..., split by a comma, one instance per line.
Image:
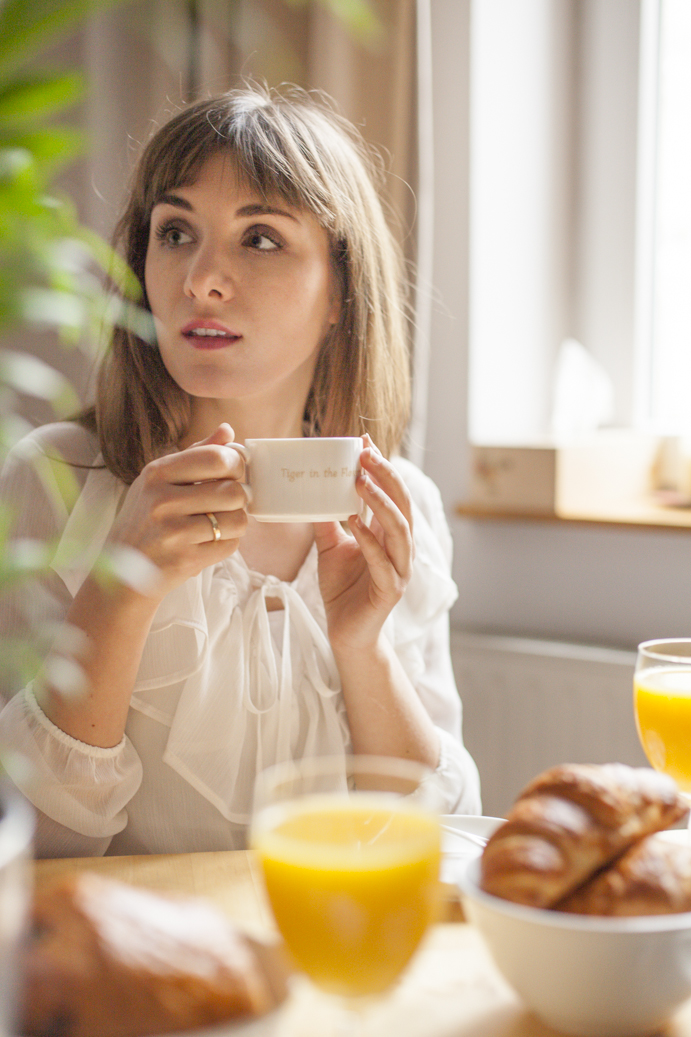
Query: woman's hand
x=362, y=577
x=165, y=514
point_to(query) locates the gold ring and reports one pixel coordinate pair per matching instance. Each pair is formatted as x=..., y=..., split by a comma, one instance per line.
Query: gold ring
x=214, y=524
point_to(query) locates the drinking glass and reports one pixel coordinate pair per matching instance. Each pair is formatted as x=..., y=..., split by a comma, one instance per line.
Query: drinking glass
x=350, y=855
x=662, y=706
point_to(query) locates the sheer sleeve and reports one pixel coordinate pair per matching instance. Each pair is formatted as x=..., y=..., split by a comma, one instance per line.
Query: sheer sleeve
x=421, y=638
x=79, y=791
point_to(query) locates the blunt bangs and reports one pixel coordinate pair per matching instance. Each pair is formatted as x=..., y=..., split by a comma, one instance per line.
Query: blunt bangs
x=289, y=153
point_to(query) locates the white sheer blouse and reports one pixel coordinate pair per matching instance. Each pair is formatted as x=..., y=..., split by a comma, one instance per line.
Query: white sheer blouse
x=224, y=688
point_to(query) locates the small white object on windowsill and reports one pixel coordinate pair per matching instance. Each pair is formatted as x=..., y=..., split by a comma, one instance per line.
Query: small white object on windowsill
x=583, y=393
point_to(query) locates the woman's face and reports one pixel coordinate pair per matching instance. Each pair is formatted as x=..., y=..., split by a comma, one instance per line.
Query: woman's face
x=242, y=291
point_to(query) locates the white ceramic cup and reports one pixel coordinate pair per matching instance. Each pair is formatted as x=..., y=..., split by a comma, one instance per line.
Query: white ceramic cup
x=301, y=480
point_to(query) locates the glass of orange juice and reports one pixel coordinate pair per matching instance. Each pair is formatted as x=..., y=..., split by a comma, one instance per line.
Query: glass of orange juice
x=350, y=855
x=662, y=706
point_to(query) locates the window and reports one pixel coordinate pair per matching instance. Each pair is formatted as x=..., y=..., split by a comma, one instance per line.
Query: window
x=665, y=273
x=553, y=181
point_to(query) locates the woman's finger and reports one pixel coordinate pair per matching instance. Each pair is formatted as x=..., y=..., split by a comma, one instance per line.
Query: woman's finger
x=196, y=464
x=198, y=498
x=387, y=582
x=328, y=535
x=223, y=435
x=215, y=527
x=396, y=538
x=385, y=474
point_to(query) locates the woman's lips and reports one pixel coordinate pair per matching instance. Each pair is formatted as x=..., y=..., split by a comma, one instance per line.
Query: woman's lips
x=209, y=334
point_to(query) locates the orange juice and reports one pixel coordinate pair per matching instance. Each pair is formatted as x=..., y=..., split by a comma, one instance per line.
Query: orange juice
x=353, y=884
x=662, y=700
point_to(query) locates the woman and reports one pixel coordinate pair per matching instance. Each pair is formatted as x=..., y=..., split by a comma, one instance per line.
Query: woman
x=277, y=297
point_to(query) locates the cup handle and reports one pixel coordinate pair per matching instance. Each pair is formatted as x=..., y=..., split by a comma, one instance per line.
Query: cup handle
x=244, y=454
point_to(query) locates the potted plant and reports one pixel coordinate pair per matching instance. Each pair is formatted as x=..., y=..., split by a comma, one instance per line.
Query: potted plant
x=47, y=279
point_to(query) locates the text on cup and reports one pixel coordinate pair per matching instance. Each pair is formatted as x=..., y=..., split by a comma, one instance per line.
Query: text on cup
x=291, y=474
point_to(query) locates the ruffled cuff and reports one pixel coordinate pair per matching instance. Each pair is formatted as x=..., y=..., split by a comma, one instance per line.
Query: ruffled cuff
x=83, y=787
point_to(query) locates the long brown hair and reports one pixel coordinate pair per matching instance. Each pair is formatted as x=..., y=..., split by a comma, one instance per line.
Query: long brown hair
x=293, y=146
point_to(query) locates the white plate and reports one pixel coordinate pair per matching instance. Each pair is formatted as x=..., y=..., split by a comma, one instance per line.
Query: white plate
x=676, y=835
x=455, y=849
x=264, y=1026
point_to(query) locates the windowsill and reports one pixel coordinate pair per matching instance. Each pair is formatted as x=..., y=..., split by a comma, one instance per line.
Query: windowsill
x=629, y=514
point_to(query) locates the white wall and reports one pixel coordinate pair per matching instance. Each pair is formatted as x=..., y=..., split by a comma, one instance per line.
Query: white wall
x=605, y=159
x=521, y=139
x=604, y=586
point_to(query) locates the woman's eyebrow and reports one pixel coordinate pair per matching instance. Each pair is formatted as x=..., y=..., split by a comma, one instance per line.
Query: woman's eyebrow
x=252, y=209
x=175, y=200
x=263, y=209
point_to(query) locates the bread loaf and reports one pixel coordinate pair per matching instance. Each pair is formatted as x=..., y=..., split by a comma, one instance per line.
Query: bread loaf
x=652, y=878
x=110, y=960
x=569, y=822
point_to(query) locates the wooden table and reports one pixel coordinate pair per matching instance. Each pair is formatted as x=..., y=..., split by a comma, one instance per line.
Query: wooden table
x=451, y=989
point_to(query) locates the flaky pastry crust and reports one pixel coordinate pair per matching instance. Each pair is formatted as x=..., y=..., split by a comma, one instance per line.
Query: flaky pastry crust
x=652, y=878
x=569, y=822
x=105, y=959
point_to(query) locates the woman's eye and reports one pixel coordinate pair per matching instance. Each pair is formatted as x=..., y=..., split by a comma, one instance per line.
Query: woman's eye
x=263, y=240
x=172, y=236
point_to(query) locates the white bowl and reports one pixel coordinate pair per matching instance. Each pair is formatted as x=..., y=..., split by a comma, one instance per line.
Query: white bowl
x=585, y=976
x=455, y=849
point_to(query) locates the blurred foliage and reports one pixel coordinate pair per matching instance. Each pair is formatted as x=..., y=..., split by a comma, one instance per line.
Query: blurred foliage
x=359, y=17
x=51, y=266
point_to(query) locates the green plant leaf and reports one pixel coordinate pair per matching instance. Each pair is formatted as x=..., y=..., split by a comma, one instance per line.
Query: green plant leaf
x=118, y=564
x=52, y=308
x=49, y=276
x=358, y=16
x=53, y=143
x=37, y=97
x=12, y=428
x=112, y=263
x=28, y=558
x=14, y=162
x=66, y=676
x=51, y=146
x=28, y=374
x=123, y=314
x=27, y=28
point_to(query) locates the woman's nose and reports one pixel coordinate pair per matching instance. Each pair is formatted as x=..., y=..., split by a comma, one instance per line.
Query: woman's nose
x=210, y=275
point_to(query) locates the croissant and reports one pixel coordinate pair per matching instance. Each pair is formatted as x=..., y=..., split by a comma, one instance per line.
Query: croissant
x=105, y=959
x=569, y=822
x=652, y=878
